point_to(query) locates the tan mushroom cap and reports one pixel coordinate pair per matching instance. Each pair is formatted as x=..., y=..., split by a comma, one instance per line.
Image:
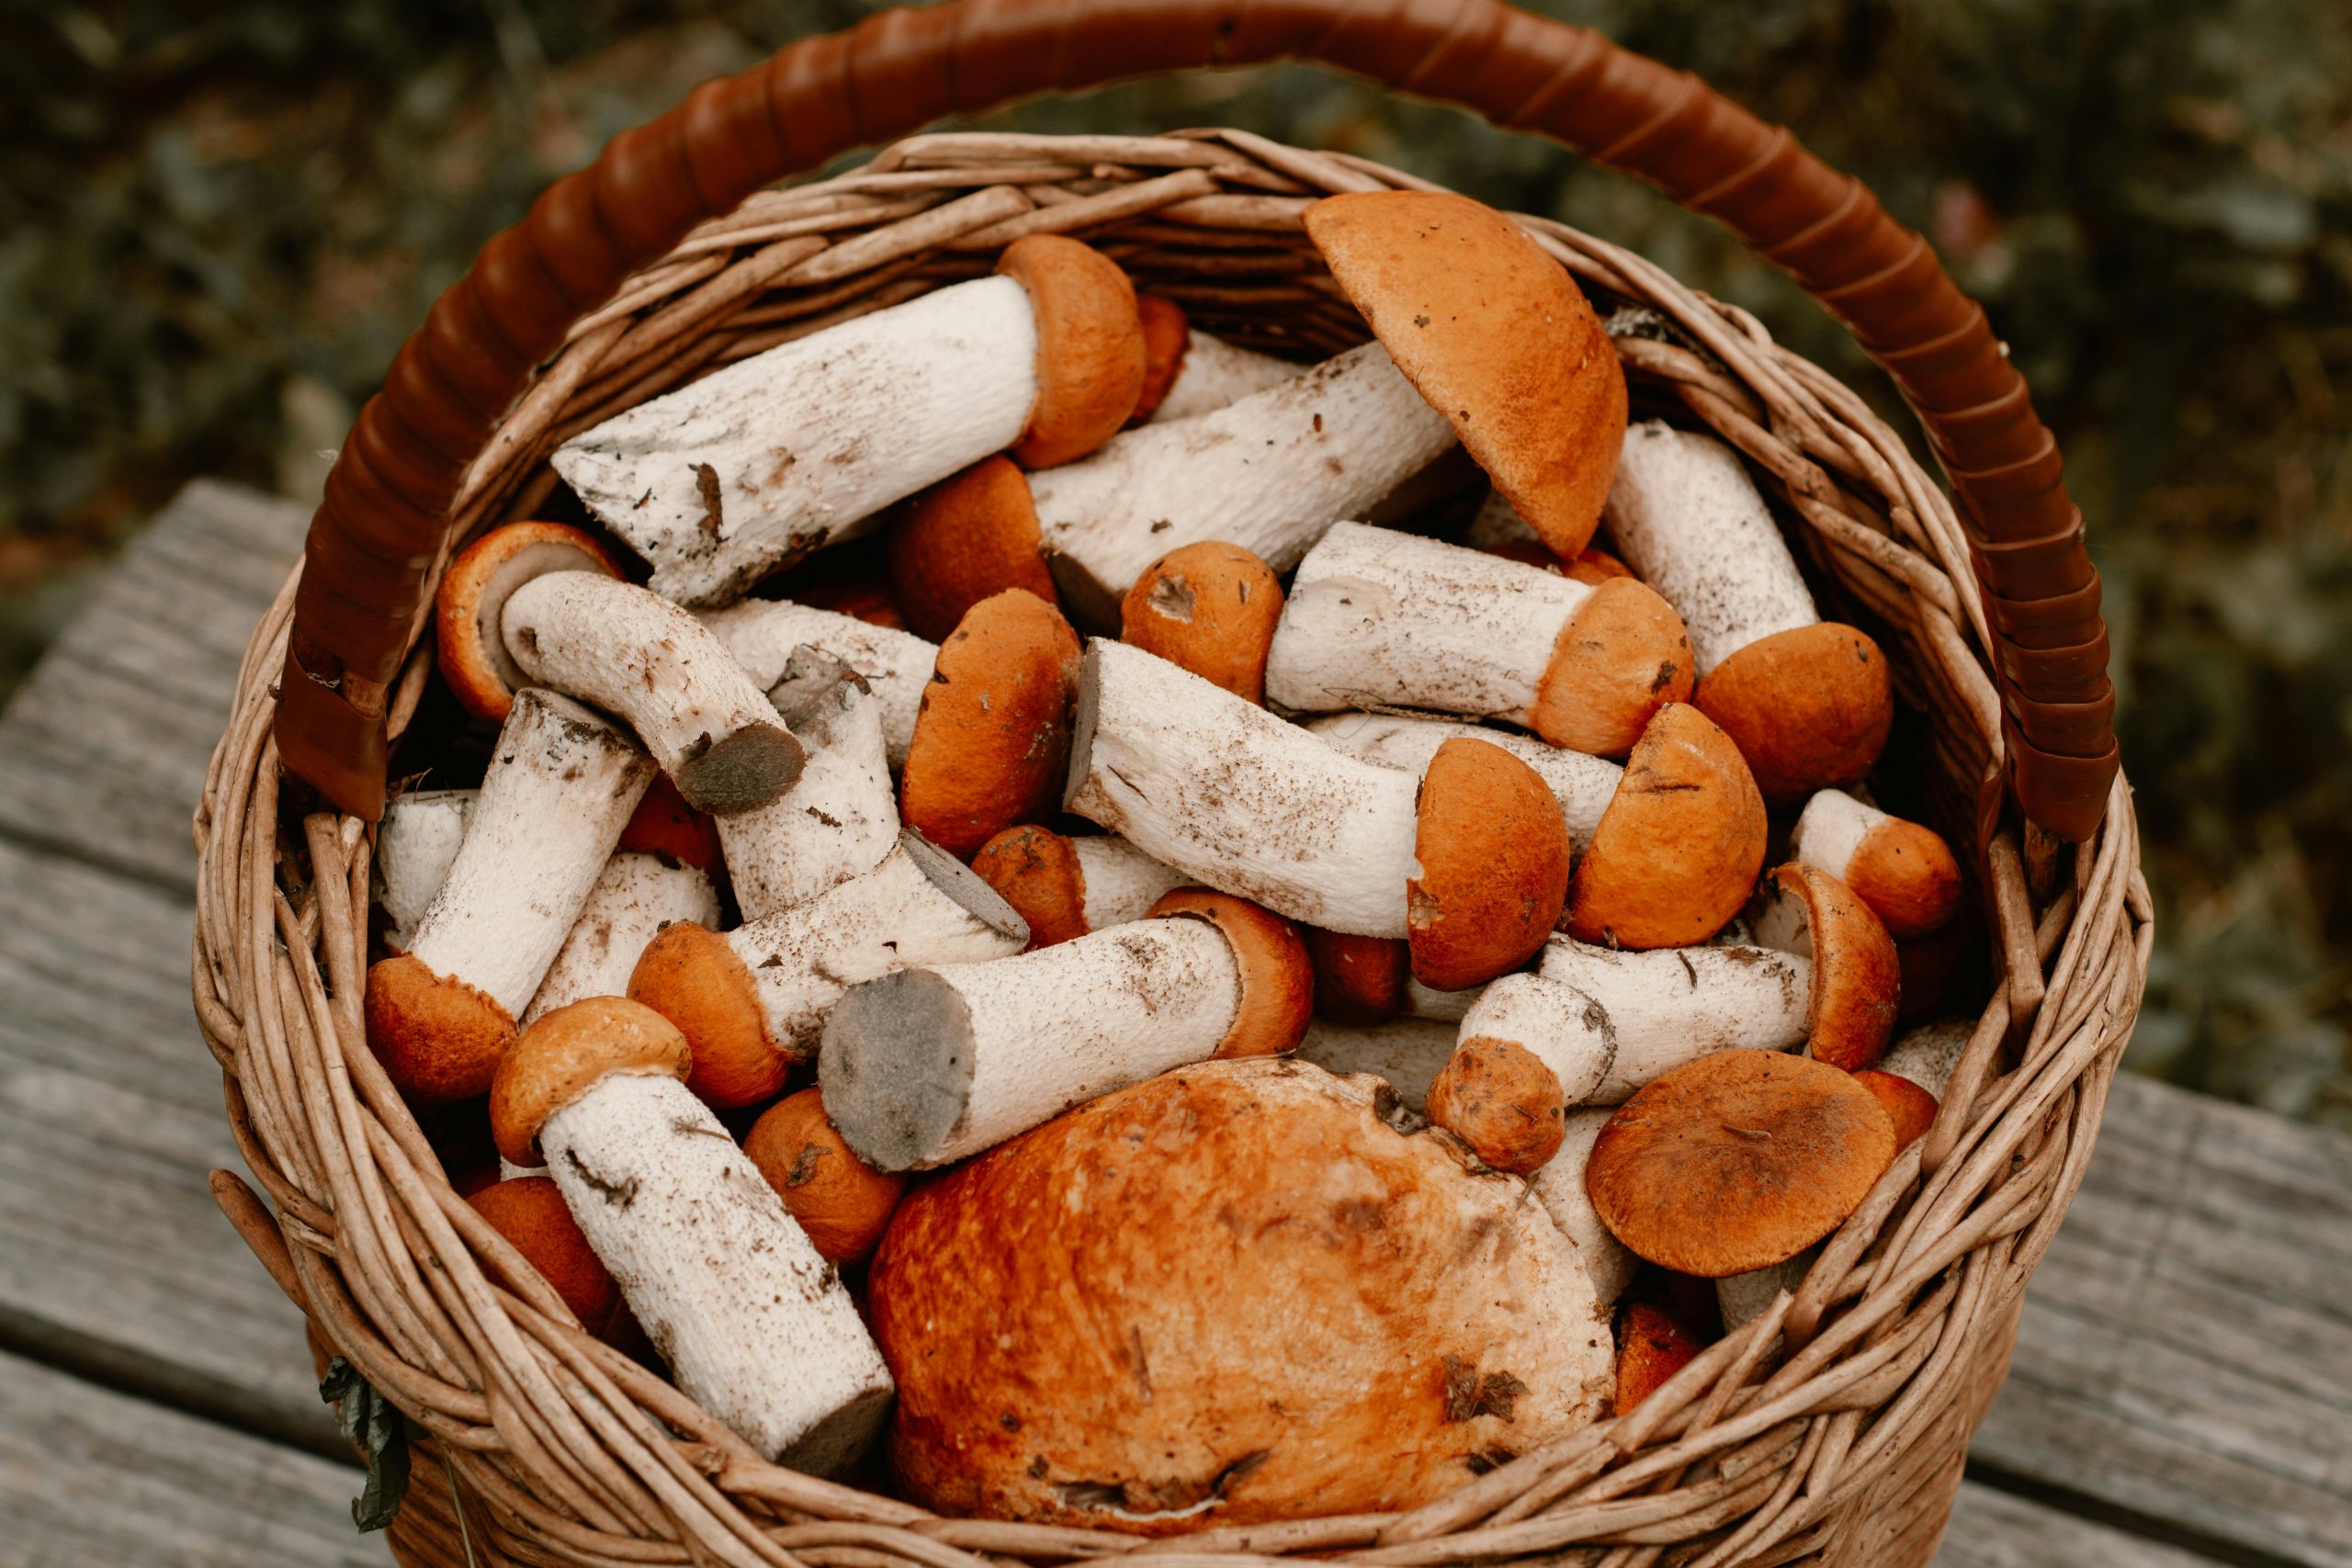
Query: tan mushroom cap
x=1906, y=874
x=1090, y=346
x=1653, y=1344
x=1621, y=657
x=991, y=739
x=1277, y=982
x=469, y=647
x=1036, y=871
x=692, y=978
x=1677, y=853
x=966, y=538
x=1357, y=979
x=1737, y=1160
x=1166, y=335
x=1497, y=336
x=1497, y=1097
x=1910, y=1107
x=530, y=1212
x=843, y=1203
x=1809, y=708
x=1856, y=975
x=1493, y=853
x=568, y=1052
x=1210, y=608
x=439, y=1038
x=664, y=825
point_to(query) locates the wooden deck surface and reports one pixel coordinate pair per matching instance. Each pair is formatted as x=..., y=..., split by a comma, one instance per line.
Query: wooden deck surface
x=2182, y=1394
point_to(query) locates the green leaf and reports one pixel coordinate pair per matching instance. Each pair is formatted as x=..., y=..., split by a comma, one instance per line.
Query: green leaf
x=381, y=1432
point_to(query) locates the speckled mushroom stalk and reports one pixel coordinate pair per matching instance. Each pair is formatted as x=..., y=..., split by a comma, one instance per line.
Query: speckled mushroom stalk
x=758, y=465
x=1559, y=1187
x=841, y=815
x=1378, y=618
x=1584, y=785
x=640, y=658
x=1064, y=887
x=762, y=633
x=1808, y=702
x=1903, y=871
x=751, y=1002
x=929, y=1064
x=560, y=785
x=1468, y=862
x=756, y=1326
x=634, y=898
x=415, y=844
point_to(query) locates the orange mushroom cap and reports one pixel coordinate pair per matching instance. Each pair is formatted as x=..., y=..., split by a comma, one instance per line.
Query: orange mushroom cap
x=692, y=978
x=530, y=1212
x=664, y=825
x=1036, y=871
x=1809, y=708
x=991, y=740
x=1906, y=874
x=1166, y=335
x=1090, y=346
x=1676, y=854
x=567, y=1053
x=966, y=538
x=1210, y=608
x=1856, y=975
x=1910, y=1107
x=1357, y=979
x=843, y=1203
x=1277, y=982
x=439, y=1038
x=1653, y=1344
x=1621, y=657
x=468, y=644
x=1493, y=853
x=1500, y=1098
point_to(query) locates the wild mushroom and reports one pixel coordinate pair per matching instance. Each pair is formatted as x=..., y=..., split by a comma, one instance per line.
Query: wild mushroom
x=1654, y=1342
x=1187, y=372
x=841, y=815
x=1468, y=862
x=634, y=898
x=1503, y=1101
x=472, y=601
x=758, y=465
x=1737, y=1161
x=1910, y=1080
x=1380, y=618
x=762, y=633
x=992, y=736
x=839, y=1201
x=1494, y=332
x=530, y=1212
x=1559, y=1187
x=1369, y=979
x=928, y=1064
x=559, y=787
x=1676, y=854
x=751, y=1002
x=1903, y=871
x=1583, y=784
x=414, y=844
x=1066, y=887
x=1857, y=977
x=755, y=1326
x=1210, y=607
x=1404, y=1053
x=1808, y=702
x=1081, y=1316
x=642, y=659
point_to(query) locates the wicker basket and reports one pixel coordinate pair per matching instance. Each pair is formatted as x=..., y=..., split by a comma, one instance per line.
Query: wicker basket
x=1830, y=1430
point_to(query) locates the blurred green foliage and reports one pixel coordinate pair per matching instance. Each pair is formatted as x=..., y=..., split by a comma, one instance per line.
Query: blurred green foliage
x=217, y=222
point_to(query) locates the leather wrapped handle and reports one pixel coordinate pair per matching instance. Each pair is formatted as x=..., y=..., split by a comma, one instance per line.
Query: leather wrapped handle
x=376, y=538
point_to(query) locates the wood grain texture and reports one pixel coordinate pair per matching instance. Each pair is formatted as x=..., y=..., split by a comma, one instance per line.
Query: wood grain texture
x=91, y=1479
x=1993, y=1529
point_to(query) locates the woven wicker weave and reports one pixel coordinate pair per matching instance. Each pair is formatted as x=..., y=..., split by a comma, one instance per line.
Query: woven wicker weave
x=1830, y=1430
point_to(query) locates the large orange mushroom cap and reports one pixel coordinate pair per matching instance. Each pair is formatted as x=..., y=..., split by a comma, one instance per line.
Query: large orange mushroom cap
x=991, y=739
x=1090, y=346
x=1621, y=657
x=1677, y=853
x=439, y=1038
x=1493, y=853
x=468, y=644
x=1497, y=336
x=692, y=977
x=1809, y=708
x=1036, y=871
x=1208, y=607
x=966, y=538
x=530, y=1212
x=1737, y=1160
x=1857, y=974
x=842, y=1202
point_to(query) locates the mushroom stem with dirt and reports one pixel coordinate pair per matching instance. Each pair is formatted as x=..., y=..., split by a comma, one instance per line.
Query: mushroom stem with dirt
x=1905, y=873
x=755, y=1325
x=758, y=465
x=1584, y=785
x=561, y=787
x=763, y=633
x=1808, y=702
x=1468, y=861
x=1064, y=887
x=635, y=898
x=841, y=817
x=415, y=844
x=926, y=1066
x=1559, y=1187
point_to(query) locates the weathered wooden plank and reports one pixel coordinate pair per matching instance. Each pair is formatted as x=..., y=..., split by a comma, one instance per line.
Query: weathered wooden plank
x=2187, y=1354
x=102, y=750
x=91, y=1479
x=1993, y=1529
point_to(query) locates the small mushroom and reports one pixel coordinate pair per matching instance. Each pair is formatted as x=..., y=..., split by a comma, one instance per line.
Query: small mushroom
x=756, y=466
x=1559, y=1187
x=1807, y=701
x=1066, y=887
x=636, y=896
x=1903, y=871
x=1676, y=854
x=992, y=736
x=1405, y=1053
x=1503, y=1101
x=666, y=826
x=751, y=1002
x=841, y=1202
x=841, y=815
x=414, y=844
x=755, y=1325
x=1210, y=607
x=469, y=606
x=1738, y=1161
x=1188, y=372
x=762, y=635
x=1380, y=618
x=1857, y=977
x=559, y=787
x=530, y=1212
x=1910, y=1080
x=1584, y=785
x=926, y=1066
x=1468, y=862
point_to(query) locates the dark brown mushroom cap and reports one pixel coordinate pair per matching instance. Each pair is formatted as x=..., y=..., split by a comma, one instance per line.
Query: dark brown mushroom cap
x=1676, y=854
x=1621, y=657
x=1090, y=346
x=991, y=739
x=1357, y=979
x=468, y=645
x=1809, y=708
x=1856, y=975
x=568, y=1052
x=966, y=538
x=530, y=1212
x=1277, y=982
x=1906, y=874
x=1737, y=1160
x=1036, y=871
x=1208, y=607
x=439, y=1038
x=1497, y=336
x=843, y=1203
x=692, y=977
x=1497, y=1097
x=1166, y=335
x=1911, y=1109
x=1493, y=853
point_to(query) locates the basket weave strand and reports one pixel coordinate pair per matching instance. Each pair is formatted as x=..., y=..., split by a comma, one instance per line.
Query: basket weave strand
x=1830, y=1430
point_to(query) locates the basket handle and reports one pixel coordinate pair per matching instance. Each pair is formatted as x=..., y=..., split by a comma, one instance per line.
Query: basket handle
x=376, y=538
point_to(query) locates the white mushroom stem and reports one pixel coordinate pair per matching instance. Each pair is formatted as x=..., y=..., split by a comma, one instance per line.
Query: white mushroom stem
x=761, y=463
x=762, y=634
x=1830, y=828
x=1407, y=1051
x=842, y=817
x=1559, y=1187
x=415, y=845
x=1584, y=786
x=1268, y=473
x=757, y=1328
x=559, y=788
x=919, y=905
x=1742, y=1298
x=930, y=1065
x=1689, y=521
x=1118, y=882
x=1232, y=796
x=1930, y=1054
x=635, y=655
x=1214, y=374
x=1378, y=617
x=635, y=896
